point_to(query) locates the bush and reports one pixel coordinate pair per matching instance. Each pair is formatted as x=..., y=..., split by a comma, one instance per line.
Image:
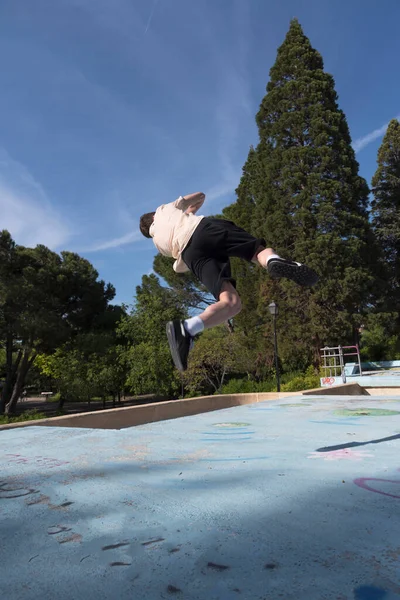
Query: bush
x=300, y=382
x=29, y=415
x=294, y=381
x=247, y=386
x=54, y=398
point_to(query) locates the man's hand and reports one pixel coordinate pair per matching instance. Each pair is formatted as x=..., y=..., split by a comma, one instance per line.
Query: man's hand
x=193, y=202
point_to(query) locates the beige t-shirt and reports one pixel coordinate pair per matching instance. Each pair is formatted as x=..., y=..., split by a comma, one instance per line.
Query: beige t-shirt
x=172, y=229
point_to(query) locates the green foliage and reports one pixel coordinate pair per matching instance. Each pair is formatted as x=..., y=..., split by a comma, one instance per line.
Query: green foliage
x=290, y=382
x=306, y=381
x=188, y=291
x=215, y=355
x=55, y=398
x=2, y=362
x=146, y=357
x=376, y=343
x=150, y=370
x=45, y=300
x=87, y=366
x=301, y=191
x=29, y=415
x=386, y=222
x=248, y=386
x=68, y=368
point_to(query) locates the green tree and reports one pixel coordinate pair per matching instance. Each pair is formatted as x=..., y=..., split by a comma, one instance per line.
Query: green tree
x=386, y=220
x=45, y=299
x=68, y=369
x=187, y=289
x=215, y=356
x=309, y=202
x=377, y=341
x=146, y=357
x=86, y=366
x=248, y=276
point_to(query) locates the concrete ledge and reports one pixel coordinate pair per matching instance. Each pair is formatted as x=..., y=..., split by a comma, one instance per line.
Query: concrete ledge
x=120, y=418
x=345, y=389
x=383, y=391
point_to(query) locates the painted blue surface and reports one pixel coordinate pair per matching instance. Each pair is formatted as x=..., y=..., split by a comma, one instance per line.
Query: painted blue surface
x=353, y=368
x=379, y=380
x=306, y=507
x=384, y=379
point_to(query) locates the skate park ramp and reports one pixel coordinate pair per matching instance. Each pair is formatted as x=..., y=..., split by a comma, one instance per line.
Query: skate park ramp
x=296, y=498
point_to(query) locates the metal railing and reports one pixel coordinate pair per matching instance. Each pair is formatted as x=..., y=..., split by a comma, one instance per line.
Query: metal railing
x=334, y=362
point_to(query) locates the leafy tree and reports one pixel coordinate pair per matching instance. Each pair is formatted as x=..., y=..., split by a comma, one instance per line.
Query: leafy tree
x=85, y=367
x=188, y=291
x=45, y=299
x=376, y=340
x=146, y=358
x=69, y=370
x=386, y=220
x=215, y=356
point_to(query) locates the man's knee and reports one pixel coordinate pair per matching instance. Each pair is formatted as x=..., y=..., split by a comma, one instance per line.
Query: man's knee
x=236, y=304
x=231, y=298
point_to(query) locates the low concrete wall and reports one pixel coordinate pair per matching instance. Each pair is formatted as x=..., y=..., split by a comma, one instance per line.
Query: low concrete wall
x=383, y=391
x=345, y=389
x=120, y=418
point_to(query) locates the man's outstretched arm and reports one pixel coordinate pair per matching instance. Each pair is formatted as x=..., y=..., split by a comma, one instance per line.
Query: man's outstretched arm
x=191, y=202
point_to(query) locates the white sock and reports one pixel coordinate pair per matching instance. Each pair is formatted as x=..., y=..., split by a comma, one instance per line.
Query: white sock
x=194, y=325
x=272, y=256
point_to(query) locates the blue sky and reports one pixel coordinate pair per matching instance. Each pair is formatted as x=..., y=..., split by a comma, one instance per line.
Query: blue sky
x=109, y=108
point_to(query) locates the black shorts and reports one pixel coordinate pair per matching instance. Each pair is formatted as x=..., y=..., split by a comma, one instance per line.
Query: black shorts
x=210, y=247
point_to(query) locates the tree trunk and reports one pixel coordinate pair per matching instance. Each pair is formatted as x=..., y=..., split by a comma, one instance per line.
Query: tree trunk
x=222, y=380
x=61, y=403
x=10, y=373
x=24, y=366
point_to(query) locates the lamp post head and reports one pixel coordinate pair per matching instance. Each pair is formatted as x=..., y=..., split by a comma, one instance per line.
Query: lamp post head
x=273, y=309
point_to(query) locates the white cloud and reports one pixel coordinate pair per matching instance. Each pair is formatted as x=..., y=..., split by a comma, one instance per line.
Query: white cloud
x=128, y=238
x=223, y=189
x=364, y=141
x=151, y=16
x=25, y=209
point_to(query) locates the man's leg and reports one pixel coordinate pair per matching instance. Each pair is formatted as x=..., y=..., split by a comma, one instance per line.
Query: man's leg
x=262, y=255
x=279, y=267
x=227, y=307
x=180, y=333
x=238, y=242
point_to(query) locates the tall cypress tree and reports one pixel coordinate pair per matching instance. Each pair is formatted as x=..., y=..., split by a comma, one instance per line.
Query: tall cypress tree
x=247, y=275
x=386, y=215
x=309, y=201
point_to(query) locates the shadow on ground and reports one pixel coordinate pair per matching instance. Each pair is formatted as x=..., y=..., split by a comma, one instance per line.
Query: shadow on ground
x=151, y=531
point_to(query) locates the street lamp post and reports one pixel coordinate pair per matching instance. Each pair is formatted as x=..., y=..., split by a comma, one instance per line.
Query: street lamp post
x=273, y=309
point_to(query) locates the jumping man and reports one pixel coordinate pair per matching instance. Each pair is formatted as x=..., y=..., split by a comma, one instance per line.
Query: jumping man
x=204, y=245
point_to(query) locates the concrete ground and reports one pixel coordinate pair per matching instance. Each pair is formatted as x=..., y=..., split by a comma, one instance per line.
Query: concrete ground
x=297, y=499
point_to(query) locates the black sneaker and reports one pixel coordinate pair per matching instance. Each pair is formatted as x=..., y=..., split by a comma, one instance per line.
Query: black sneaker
x=300, y=274
x=180, y=343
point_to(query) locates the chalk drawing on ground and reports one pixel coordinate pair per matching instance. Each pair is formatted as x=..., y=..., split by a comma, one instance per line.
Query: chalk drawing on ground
x=365, y=412
x=379, y=485
x=345, y=454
